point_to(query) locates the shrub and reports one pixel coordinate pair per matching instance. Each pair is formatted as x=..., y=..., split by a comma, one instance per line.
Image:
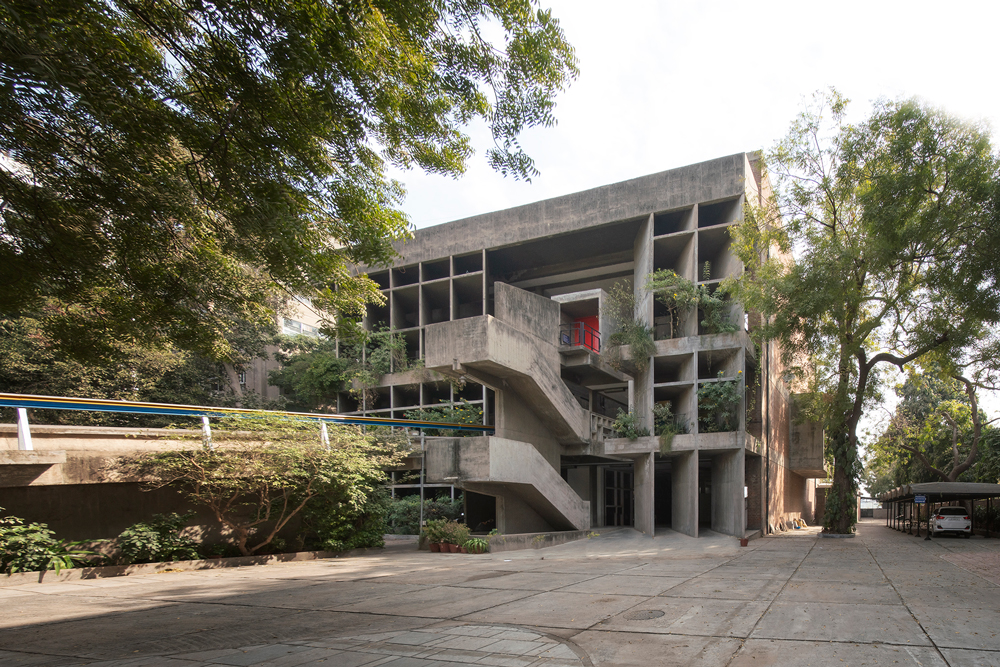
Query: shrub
x=434, y=530
x=157, y=540
x=626, y=425
x=337, y=525
x=266, y=470
x=717, y=405
x=32, y=547
x=454, y=532
x=666, y=426
x=404, y=513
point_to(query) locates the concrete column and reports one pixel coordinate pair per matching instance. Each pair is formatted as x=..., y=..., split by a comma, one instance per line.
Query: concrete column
x=643, y=491
x=728, y=475
x=684, y=493
x=643, y=256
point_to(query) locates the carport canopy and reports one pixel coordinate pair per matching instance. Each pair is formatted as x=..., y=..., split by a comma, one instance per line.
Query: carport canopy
x=939, y=492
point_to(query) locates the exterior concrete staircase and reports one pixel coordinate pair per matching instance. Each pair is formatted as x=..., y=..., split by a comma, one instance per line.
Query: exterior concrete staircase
x=497, y=466
x=515, y=353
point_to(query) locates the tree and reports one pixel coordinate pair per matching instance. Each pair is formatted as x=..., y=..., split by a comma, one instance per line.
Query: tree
x=173, y=170
x=31, y=363
x=888, y=221
x=265, y=471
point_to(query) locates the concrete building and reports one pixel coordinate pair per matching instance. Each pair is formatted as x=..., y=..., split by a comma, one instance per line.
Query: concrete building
x=505, y=310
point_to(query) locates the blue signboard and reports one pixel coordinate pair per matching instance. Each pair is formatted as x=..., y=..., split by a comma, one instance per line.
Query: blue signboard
x=920, y=500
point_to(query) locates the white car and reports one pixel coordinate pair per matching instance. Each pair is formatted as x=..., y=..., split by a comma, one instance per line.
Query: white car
x=955, y=520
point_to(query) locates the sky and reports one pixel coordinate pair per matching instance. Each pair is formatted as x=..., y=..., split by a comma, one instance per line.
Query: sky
x=667, y=84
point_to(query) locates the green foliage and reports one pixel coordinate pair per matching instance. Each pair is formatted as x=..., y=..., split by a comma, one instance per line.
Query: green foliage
x=176, y=165
x=32, y=547
x=462, y=413
x=30, y=363
x=620, y=308
x=681, y=297
x=626, y=425
x=404, y=513
x=157, y=540
x=666, y=426
x=476, y=545
x=314, y=370
x=340, y=525
x=894, y=223
x=265, y=470
x=434, y=530
x=930, y=437
x=718, y=405
x=453, y=532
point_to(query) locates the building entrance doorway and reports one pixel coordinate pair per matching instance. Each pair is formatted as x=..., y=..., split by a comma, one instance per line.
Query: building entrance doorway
x=662, y=494
x=705, y=492
x=618, y=499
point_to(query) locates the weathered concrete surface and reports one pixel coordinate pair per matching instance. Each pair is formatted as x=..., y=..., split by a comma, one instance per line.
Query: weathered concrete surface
x=620, y=599
x=500, y=467
x=703, y=182
x=76, y=454
x=508, y=359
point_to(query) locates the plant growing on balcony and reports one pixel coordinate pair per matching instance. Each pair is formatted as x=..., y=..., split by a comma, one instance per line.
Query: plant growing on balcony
x=717, y=404
x=681, y=297
x=627, y=426
x=630, y=332
x=666, y=426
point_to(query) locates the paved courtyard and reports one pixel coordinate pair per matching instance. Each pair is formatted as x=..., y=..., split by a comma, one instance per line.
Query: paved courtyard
x=883, y=598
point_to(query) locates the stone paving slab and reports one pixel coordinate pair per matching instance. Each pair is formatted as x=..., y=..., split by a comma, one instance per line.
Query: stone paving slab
x=621, y=599
x=866, y=623
x=757, y=652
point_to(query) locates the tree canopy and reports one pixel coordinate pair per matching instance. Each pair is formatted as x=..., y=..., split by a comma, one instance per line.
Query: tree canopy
x=934, y=435
x=891, y=224
x=169, y=171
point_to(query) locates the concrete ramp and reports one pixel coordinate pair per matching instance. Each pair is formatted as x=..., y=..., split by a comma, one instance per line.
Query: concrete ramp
x=511, y=470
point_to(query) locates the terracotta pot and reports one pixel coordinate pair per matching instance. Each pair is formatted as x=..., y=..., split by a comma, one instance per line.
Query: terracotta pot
x=434, y=546
x=463, y=550
x=744, y=541
x=453, y=548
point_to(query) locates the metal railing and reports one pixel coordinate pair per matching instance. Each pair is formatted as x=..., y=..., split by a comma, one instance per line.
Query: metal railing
x=578, y=334
x=22, y=402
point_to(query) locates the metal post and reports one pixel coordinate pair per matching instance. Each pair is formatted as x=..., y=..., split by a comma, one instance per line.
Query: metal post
x=423, y=454
x=206, y=434
x=928, y=522
x=324, y=435
x=918, y=520
x=23, y=431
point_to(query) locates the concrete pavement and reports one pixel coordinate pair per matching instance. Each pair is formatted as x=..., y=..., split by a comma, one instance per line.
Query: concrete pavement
x=618, y=599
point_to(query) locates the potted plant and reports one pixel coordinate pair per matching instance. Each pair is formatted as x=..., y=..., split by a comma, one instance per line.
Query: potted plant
x=476, y=545
x=434, y=533
x=455, y=534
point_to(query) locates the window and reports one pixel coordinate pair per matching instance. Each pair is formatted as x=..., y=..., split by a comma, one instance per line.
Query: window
x=243, y=379
x=296, y=328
